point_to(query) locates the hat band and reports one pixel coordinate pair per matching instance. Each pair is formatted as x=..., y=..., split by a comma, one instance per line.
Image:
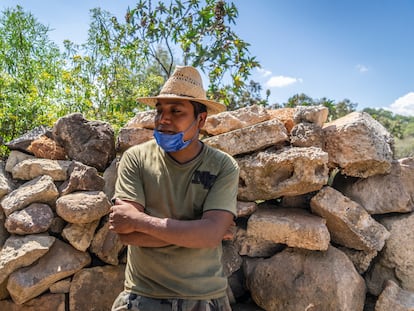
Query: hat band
x=176, y=95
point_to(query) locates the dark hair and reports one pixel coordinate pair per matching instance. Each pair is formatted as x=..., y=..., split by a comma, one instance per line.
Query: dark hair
x=198, y=108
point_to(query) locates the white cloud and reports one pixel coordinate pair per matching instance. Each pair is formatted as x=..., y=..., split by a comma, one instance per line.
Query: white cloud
x=404, y=105
x=264, y=72
x=361, y=68
x=281, y=81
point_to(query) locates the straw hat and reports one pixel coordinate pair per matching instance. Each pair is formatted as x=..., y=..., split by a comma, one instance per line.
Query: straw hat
x=185, y=83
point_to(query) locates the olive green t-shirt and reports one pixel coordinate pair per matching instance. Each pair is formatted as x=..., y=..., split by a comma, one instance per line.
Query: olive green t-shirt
x=167, y=189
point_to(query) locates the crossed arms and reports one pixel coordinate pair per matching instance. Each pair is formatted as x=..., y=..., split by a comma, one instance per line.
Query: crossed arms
x=134, y=227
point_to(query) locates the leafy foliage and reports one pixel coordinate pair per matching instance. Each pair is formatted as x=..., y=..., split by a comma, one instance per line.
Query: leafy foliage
x=204, y=36
x=30, y=74
x=119, y=62
x=123, y=60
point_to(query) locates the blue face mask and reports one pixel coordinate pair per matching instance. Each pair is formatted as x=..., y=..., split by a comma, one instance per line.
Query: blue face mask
x=173, y=142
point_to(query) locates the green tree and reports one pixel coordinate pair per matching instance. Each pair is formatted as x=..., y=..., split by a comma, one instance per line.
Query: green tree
x=106, y=74
x=299, y=100
x=251, y=95
x=203, y=35
x=30, y=70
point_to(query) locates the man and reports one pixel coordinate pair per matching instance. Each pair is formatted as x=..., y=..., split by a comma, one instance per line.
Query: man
x=175, y=201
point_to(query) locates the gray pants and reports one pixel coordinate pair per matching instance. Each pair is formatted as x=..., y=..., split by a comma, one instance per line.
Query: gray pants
x=129, y=301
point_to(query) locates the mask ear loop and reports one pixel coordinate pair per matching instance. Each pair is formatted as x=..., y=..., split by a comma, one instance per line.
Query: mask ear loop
x=198, y=120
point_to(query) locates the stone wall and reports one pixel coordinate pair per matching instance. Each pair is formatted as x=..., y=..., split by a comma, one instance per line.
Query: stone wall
x=324, y=222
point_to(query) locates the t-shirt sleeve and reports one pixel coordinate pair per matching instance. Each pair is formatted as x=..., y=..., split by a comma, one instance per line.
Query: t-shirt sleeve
x=129, y=184
x=223, y=193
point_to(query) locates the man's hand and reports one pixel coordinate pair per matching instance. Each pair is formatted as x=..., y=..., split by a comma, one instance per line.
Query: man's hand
x=125, y=216
x=230, y=233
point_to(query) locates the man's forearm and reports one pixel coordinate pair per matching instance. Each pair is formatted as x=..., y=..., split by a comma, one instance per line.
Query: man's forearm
x=141, y=239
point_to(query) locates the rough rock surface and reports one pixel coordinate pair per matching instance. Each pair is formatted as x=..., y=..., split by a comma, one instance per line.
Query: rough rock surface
x=89, y=142
x=94, y=281
x=83, y=206
x=349, y=224
x=293, y=227
x=61, y=261
x=373, y=153
x=382, y=194
x=38, y=190
x=232, y=120
x=35, y=218
x=253, y=138
x=271, y=174
x=322, y=281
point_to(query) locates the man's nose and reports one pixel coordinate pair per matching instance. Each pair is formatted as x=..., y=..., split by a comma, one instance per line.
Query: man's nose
x=164, y=118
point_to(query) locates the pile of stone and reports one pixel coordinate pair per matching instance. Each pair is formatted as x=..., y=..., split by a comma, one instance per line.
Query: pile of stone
x=324, y=222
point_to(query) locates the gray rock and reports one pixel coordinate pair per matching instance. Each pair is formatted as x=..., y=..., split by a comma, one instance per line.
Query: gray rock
x=90, y=291
x=381, y=194
x=397, y=257
x=359, y=145
x=82, y=178
x=271, y=174
x=35, y=218
x=106, y=245
x=395, y=298
x=297, y=279
x=143, y=119
x=232, y=120
x=38, y=190
x=248, y=139
x=23, y=142
x=245, y=209
x=83, y=206
x=231, y=259
x=5, y=183
x=307, y=135
x=361, y=259
x=132, y=136
x=349, y=223
x=16, y=157
x=32, y=168
x=293, y=227
x=80, y=235
x=4, y=234
x=89, y=142
x=311, y=114
x=18, y=252
x=61, y=261
x=253, y=246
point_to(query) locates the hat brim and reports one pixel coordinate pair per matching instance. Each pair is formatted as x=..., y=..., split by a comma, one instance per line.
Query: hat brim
x=212, y=106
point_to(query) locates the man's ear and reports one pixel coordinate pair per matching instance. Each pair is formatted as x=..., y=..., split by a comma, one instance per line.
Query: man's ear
x=202, y=116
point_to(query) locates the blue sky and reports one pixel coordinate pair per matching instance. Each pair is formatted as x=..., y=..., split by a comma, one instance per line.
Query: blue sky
x=362, y=50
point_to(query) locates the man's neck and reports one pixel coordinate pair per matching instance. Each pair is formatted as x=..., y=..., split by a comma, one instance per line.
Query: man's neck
x=188, y=153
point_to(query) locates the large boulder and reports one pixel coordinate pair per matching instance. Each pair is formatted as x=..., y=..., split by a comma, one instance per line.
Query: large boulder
x=396, y=261
x=252, y=138
x=89, y=142
x=297, y=279
x=232, y=120
x=271, y=174
x=359, y=145
x=291, y=226
x=89, y=289
x=348, y=222
x=61, y=261
x=381, y=194
x=83, y=206
x=38, y=190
